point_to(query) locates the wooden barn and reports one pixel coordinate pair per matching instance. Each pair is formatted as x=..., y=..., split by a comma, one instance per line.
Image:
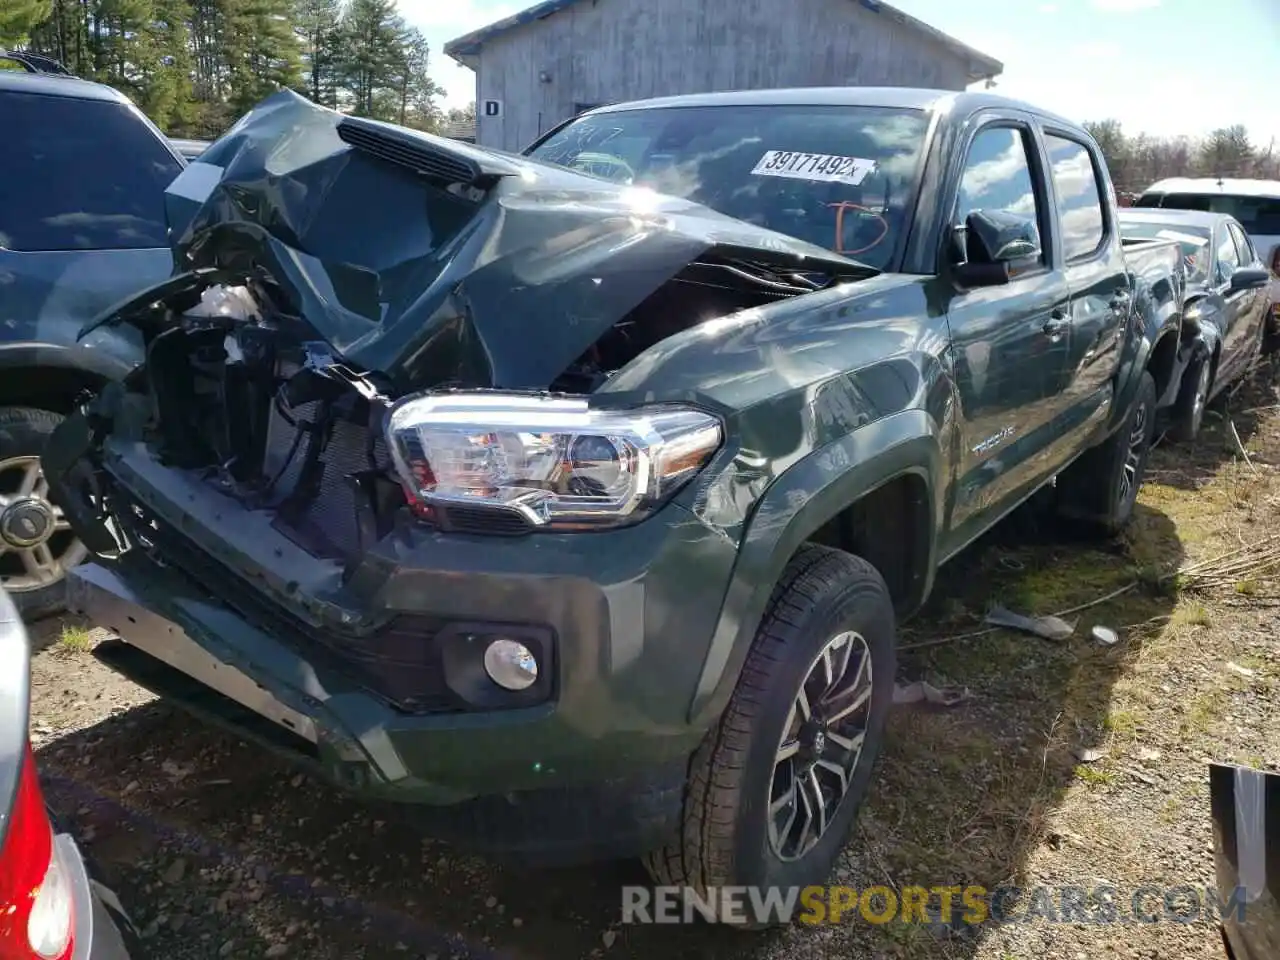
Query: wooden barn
x=561, y=57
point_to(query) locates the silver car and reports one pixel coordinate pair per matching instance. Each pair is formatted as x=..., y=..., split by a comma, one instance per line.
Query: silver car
x=1255, y=203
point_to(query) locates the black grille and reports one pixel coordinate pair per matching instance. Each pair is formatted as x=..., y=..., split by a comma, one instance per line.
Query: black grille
x=456, y=518
x=399, y=663
x=333, y=512
x=407, y=151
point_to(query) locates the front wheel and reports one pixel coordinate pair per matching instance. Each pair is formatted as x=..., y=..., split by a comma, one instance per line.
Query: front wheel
x=37, y=546
x=774, y=788
x=1193, y=396
x=1101, y=487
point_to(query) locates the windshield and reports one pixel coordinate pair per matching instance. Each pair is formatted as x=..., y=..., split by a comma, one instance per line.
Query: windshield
x=1260, y=216
x=840, y=177
x=1192, y=241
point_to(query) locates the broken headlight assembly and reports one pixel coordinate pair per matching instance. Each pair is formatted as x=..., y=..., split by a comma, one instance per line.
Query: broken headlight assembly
x=555, y=462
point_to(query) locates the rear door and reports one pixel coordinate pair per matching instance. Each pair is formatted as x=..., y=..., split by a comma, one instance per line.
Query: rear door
x=82, y=221
x=1253, y=303
x=1009, y=343
x=1096, y=274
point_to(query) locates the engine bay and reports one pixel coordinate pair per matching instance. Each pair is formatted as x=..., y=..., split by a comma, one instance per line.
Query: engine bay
x=249, y=397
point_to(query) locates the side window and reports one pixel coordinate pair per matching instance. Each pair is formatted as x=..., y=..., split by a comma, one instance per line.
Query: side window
x=1228, y=257
x=80, y=175
x=997, y=177
x=1075, y=180
x=1243, y=246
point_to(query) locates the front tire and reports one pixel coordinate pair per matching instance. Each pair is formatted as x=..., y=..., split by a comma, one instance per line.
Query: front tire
x=1101, y=487
x=1193, y=397
x=774, y=789
x=33, y=560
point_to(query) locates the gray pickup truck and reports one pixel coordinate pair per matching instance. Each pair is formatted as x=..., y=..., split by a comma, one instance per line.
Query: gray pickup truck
x=583, y=510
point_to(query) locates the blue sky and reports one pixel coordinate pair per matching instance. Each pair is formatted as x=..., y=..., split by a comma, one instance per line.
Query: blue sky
x=1163, y=66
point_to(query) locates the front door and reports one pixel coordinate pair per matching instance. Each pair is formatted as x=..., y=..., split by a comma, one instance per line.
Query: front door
x=1253, y=304
x=1236, y=353
x=1009, y=343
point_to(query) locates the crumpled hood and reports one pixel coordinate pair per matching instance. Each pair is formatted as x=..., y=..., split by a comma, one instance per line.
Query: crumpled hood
x=432, y=261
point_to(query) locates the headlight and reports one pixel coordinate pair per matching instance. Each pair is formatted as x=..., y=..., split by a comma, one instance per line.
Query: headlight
x=554, y=461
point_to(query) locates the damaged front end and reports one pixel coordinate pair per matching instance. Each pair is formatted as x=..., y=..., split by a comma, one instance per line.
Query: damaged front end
x=328, y=267
x=378, y=361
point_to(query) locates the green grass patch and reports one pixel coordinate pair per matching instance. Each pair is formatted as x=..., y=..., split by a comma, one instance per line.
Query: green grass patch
x=74, y=639
x=1094, y=776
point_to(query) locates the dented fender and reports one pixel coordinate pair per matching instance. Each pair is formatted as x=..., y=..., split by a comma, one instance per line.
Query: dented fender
x=791, y=510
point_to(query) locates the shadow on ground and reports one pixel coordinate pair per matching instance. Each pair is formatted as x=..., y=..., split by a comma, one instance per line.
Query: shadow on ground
x=270, y=856
x=965, y=796
x=1232, y=429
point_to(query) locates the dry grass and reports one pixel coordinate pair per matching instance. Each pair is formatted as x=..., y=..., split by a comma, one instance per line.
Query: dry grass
x=993, y=792
x=996, y=792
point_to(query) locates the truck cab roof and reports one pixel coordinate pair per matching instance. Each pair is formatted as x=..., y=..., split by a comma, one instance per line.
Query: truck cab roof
x=909, y=98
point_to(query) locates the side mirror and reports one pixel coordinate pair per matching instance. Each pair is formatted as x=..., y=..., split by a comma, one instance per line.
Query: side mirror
x=1249, y=278
x=989, y=242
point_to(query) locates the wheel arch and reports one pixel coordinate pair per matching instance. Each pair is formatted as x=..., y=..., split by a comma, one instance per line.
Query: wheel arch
x=1162, y=361
x=49, y=377
x=831, y=497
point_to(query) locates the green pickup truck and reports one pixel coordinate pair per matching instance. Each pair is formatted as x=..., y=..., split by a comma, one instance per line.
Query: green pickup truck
x=580, y=513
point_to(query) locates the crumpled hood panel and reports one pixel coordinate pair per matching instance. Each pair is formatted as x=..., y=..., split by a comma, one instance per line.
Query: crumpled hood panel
x=432, y=261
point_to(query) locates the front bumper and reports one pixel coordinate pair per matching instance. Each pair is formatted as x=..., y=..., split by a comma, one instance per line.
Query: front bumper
x=629, y=614
x=540, y=787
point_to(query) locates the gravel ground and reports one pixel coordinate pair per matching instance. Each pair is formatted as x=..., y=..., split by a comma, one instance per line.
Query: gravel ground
x=1070, y=763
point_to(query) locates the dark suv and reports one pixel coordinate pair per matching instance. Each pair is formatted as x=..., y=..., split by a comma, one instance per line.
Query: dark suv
x=82, y=226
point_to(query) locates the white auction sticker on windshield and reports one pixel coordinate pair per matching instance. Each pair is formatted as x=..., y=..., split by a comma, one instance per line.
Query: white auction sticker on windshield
x=813, y=166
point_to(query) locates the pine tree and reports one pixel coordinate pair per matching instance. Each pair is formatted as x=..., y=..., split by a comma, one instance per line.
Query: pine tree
x=415, y=91
x=316, y=23
x=371, y=55
x=167, y=91
x=1227, y=153
x=260, y=50
x=19, y=17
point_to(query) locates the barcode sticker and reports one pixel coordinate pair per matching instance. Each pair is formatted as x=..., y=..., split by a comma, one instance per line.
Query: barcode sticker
x=813, y=166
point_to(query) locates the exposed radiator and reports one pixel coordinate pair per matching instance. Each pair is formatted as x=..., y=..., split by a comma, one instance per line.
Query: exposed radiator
x=332, y=514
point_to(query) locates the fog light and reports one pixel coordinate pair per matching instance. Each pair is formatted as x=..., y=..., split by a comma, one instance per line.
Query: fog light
x=511, y=665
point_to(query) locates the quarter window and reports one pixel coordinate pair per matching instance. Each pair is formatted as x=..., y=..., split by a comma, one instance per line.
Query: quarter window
x=1075, y=180
x=1228, y=257
x=997, y=177
x=1245, y=249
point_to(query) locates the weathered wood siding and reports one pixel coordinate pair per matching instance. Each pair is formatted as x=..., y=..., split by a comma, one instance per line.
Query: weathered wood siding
x=600, y=51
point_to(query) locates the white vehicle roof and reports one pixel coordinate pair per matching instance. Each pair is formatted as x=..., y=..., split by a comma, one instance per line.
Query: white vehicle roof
x=1226, y=186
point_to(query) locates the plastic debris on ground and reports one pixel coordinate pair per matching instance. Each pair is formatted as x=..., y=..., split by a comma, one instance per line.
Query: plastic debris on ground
x=1049, y=628
x=923, y=693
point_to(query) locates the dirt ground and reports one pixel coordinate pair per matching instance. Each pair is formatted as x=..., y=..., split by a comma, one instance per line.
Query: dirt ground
x=1070, y=763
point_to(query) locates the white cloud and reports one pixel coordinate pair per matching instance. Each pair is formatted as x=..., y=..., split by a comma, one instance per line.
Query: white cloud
x=1125, y=6
x=1097, y=50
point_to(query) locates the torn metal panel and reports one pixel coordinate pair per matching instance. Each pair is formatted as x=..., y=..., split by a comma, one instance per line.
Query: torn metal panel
x=433, y=262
